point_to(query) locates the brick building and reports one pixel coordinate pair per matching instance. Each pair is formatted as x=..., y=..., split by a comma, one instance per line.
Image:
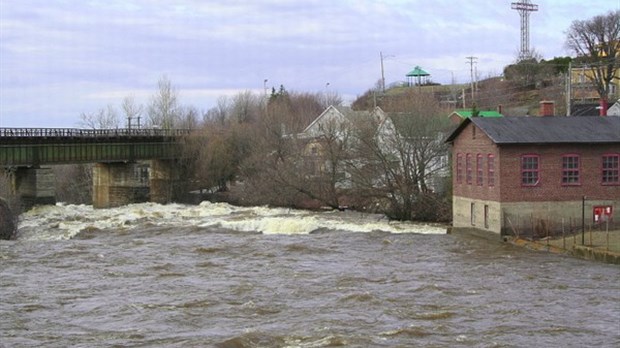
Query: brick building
x=534, y=166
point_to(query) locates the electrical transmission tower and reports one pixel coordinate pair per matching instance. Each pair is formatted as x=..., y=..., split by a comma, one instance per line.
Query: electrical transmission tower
x=525, y=7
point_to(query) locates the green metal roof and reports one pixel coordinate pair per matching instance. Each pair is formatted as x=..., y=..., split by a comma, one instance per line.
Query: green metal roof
x=417, y=71
x=481, y=113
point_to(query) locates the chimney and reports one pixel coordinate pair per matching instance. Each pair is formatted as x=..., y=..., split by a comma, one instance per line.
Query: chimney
x=603, y=107
x=547, y=108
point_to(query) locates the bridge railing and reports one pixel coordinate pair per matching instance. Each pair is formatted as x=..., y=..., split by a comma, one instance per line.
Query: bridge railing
x=91, y=133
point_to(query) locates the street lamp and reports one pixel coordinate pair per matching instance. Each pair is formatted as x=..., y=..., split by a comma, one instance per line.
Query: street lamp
x=326, y=95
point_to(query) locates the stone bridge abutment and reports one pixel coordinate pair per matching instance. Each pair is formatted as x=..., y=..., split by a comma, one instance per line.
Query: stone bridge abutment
x=116, y=184
x=120, y=158
x=33, y=185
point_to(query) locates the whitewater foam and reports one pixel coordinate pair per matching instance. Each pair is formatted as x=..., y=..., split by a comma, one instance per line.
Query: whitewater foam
x=64, y=221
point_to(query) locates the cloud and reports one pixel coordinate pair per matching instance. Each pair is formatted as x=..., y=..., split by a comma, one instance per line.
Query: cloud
x=63, y=58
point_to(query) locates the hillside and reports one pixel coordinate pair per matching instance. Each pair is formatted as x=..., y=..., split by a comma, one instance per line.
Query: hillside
x=514, y=99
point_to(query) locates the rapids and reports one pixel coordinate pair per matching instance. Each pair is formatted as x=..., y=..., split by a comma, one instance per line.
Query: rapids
x=215, y=275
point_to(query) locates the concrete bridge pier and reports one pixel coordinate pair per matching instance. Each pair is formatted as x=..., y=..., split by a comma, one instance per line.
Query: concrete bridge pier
x=34, y=185
x=165, y=181
x=116, y=184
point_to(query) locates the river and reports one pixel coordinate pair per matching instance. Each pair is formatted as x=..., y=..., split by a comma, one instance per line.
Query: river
x=215, y=275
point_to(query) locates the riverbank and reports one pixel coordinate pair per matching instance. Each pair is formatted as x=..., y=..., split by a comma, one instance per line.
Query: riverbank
x=598, y=246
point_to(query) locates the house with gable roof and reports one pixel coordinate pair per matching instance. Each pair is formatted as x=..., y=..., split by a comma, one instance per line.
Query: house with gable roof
x=614, y=110
x=335, y=117
x=548, y=168
x=336, y=122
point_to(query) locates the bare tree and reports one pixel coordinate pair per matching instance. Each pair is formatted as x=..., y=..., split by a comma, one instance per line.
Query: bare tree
x=245, y=107
x=285, y=168
x=210, y=159
x=132, y=111
x=293, y=110
x=164, y=106
x=305, y=107
x=74, y=183
x=104, y=118
x=397, y=159
x=188, y=117
x=596, y=41
x=219, y=113
x=331, y=98
x=213, y=154
x=298, y=171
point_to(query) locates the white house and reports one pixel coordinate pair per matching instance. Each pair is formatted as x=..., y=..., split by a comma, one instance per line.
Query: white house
x=337, y=122
x=614, y=110
x=337, y=118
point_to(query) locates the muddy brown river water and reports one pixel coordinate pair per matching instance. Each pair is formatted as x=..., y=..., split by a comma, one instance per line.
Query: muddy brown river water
x=215, y=275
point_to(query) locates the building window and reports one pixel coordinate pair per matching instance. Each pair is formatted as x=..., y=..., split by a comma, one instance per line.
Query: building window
x=472, y=213
x=479, y=172
x=486, y=216
x=611, y=169
x=459, y=168
x=582, y=77
x=468, y=168
x=570, y=170
x=530, y=175
x=491, y=170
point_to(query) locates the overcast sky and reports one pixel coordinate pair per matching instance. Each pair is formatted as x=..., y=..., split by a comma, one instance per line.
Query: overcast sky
x=59, y=58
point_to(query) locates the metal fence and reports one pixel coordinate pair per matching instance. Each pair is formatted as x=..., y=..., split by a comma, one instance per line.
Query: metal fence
x=565, y=232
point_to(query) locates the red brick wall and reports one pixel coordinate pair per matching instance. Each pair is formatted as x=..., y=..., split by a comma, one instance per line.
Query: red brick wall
x=508, y=186
x=550, y=186
x=475, y=142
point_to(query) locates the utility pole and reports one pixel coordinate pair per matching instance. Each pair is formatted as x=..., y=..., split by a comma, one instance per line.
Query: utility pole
x=476, y=77
x=382, y=73
x=265, y=96
x=569, y=87
x=472, y=61
x=524, y=7
x=326, y=94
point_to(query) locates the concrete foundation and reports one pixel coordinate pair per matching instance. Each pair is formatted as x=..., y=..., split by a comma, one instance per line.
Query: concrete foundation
x=525, y=217
x=477, y=214
x=34, y=186
x=165, y=181
x=116, y=184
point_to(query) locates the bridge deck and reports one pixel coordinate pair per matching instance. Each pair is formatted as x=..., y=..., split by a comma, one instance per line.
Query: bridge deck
x=37, y=146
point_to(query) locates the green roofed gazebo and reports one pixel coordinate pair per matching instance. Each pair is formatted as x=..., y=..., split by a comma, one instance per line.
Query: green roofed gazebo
x=418, y=75
x=459, y=115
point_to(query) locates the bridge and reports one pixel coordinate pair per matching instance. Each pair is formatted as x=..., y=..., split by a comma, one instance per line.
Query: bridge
x=25, y=153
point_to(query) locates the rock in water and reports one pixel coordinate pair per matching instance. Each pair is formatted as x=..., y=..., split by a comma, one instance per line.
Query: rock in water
x=7, y=221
